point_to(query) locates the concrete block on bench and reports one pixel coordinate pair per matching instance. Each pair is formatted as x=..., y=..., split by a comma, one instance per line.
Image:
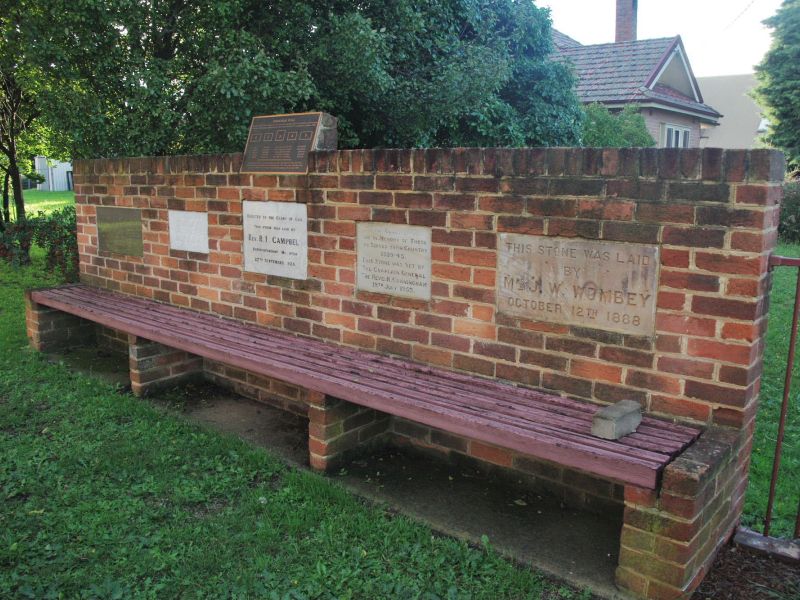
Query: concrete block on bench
x=618, y=420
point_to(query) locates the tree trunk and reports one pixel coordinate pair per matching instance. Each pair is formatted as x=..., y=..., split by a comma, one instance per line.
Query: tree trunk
x=16, y=186
x=5, y=216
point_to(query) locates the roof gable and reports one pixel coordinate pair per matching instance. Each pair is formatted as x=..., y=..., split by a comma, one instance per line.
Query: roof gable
x=643, y=71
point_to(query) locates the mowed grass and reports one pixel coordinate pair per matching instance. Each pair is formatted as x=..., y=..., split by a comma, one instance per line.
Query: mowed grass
x=788, y=491
x=46, y=202
x=103, y=495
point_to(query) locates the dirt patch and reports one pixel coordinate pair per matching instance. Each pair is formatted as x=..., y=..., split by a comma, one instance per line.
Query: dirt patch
x=739, y=574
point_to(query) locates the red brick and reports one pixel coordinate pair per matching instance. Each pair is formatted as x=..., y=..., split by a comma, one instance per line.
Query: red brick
x=451, y=272
x=671, y=300
x=688, y=325
x=573, y=228
x=502, y=204
x=672, y=257
x=665, y=213
x=749, y=288
x=718, y=394
x=433, y=321
x=689, y=281
x=595, y=370
x=690, y=367
x=626, y=356
x=531, y=377
x=432, y=356
x=528, y=225
x=393, y=182
x=761, y=195
x=736, y=265
x=481, y=258
x=474, y=364
x=653, y=381
x=739, y=331
x=723, y=307
x=567, y=385
x=680, y=407
x=722, y=215
x=460, y=220
x=492, y=454
x=720, y=351
x=492, y=350
x=605, y=210
x=697, y=237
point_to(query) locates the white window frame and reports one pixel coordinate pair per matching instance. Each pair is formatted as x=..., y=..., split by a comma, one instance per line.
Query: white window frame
x=675, y=136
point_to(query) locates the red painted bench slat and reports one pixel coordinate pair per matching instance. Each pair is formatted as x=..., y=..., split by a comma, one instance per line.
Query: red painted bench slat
x=541, y=425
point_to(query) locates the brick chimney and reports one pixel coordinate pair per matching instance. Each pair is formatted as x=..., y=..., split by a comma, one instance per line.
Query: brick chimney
x=626, y=20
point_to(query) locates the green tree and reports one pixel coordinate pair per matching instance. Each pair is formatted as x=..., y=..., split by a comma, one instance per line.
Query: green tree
x=779, y=81
x=166, y=77
x=624, y=129
x=23, y=132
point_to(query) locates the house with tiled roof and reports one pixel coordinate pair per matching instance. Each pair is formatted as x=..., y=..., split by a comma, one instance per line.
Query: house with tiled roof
x=654, y=74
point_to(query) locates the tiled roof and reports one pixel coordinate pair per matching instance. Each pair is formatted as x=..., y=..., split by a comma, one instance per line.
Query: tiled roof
x=620, y=72
x=562, y=40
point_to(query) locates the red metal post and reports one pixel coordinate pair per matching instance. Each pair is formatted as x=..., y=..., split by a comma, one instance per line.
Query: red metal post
x=776, y=464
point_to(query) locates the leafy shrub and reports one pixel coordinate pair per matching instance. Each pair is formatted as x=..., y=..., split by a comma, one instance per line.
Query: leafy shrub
x=623, y=129
x=56, y=233
x=789, y=226
x=15, y=241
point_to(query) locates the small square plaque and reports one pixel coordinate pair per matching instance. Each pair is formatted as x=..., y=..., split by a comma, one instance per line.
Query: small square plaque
x=188, y=231
x=119, y=230
x=276, y=238
x=394, y=259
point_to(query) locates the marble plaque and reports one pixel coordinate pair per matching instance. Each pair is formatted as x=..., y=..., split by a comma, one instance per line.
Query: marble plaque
x=188, y=231
x=280, y=143
x=394, y=259
x=276, y=238
x=119, y=230
x=603, y=285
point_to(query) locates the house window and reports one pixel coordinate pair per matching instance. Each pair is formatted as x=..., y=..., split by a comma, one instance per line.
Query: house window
x=676, y=136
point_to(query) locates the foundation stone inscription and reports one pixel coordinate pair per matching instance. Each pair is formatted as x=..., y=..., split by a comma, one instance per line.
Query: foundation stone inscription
x=276, y=238
x=394, y=259
x=603, y=285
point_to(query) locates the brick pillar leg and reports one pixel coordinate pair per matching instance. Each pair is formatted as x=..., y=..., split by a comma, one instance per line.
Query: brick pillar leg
x=154, y=366
x=669, y=540
x=337, y=430
x=50, y=330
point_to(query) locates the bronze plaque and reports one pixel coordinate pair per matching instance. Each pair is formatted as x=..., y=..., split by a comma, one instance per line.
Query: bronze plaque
x=591, y=283
x=280, y=143
x=119, y=230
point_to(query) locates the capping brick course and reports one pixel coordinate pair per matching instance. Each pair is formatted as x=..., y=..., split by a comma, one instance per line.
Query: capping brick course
x=712, y=212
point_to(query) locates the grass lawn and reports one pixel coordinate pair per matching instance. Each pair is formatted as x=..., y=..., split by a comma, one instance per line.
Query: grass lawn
x=103, y=495
x=788, y=493
x=36, y=201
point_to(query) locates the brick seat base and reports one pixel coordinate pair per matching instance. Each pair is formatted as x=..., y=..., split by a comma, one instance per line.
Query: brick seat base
x=351, y=394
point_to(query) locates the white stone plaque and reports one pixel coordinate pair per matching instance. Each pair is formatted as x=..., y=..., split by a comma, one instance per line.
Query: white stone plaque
x=276, y=238
x=604, y=285
x=394, y=259
x=188, y=231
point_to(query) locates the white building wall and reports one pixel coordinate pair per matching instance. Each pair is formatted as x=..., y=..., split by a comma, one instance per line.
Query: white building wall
x=57, y=175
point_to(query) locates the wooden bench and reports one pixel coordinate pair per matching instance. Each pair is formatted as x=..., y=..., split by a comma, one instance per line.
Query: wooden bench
x=537, y=424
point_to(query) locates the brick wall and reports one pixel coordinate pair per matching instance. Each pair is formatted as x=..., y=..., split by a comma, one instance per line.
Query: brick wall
x=713, y=214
